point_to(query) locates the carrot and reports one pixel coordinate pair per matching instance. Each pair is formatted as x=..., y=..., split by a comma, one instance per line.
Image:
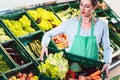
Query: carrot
x=95, y=77
x=96, y=73
x=99, y=79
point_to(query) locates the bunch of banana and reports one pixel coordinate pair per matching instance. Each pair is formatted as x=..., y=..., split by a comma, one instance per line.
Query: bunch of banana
x=68, y=13
x=46, y=20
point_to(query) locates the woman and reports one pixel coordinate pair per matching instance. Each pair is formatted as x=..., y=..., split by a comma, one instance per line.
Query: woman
x=85, y=33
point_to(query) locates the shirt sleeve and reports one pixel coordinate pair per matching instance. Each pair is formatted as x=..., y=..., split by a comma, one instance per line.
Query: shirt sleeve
x=57, y=30
x=107, y=51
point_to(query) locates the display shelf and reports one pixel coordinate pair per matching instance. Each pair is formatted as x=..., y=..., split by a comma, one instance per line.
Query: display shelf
x=115, y=64
x=116, y=53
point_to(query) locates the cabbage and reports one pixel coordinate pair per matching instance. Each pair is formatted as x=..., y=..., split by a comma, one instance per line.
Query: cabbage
x=55, y=66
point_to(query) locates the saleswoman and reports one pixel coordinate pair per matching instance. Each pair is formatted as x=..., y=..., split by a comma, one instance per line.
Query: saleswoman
x=85, y=33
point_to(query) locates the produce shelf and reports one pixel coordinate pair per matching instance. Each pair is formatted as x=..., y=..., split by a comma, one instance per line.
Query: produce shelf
x=6, y=61
x=22, y=21
x=85, y=63
x=31, y=68
x=14, y=50
x=4, y=33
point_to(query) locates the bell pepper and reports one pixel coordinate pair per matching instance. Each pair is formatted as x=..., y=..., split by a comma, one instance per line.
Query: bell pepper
x=70, y=74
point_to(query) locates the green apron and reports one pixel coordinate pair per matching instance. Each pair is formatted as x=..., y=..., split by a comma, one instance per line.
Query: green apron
x=85, y=46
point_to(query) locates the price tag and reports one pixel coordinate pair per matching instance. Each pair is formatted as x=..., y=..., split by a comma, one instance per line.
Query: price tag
x=113, y=20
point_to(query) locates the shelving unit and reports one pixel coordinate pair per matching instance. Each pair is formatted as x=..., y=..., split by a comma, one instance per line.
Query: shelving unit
x=115, y=55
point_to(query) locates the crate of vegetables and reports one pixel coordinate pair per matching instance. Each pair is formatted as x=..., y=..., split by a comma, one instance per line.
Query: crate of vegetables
x=29, y=72
x=13, y=49
x=66, y=11
x=6, y=62
x=32, y=44
x=44, y=18
x=19, y=24
x=4, y=34
x=66, y=66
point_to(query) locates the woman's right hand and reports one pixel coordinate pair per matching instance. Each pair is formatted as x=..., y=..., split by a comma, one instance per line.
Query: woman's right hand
x=44, y=51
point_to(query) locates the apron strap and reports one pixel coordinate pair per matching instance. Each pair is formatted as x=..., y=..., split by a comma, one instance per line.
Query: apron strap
x=79, y=25
x=92, y=26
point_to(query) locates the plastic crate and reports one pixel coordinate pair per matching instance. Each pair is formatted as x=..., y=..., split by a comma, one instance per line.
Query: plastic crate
x=16, y=16
x=25, y=69
x=85, y=63
x=6, y=32
x=7, y=59
x=2, y=77
x=26, y=40
x=17, y=54
x=110, y=13
x=75, y=5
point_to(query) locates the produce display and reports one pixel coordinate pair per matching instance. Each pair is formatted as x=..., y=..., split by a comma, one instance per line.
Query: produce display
x=59, y=67
x=68, y=13
x=24, y=76
x=61, y=40
x=15, y=56
x=3, y=65
x=34, y=49
x=20, y=27
x=55, y=66
x=3, y=36
x=46, y=20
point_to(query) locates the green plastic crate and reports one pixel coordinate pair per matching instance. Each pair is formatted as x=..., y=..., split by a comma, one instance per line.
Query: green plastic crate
x=59, y=7
x=101, y=14
x=110, y=13
x=7, y=59
x=75, y=5
x=2, y=77
x=21, y=55
x=6, y=32
x=85, y=63
x=16, y=16
x=114, y=37
x=25, y=69
x=24, y=42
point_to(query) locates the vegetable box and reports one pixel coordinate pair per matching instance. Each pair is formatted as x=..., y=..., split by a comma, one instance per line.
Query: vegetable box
x=6, y=62
x=19, y=24
x=13, y=49
x=87, y=66
x=32, y=44
x=27, y=72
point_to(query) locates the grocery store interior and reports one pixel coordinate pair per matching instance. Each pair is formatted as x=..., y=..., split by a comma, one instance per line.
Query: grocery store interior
x=20, y=49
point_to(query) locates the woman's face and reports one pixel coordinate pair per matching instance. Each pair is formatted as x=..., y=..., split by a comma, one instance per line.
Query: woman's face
x=86, y=8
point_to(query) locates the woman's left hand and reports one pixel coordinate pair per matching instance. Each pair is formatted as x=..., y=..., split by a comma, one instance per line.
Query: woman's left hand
x=106, y=68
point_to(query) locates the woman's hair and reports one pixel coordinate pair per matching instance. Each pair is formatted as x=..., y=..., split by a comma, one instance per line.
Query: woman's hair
x=94, y=2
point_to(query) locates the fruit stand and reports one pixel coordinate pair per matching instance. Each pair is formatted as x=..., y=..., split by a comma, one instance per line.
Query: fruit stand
x=21, y=31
